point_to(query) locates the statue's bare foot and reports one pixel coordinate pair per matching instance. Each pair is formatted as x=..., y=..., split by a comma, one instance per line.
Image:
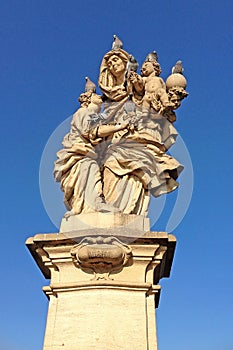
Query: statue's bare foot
x=68, y=214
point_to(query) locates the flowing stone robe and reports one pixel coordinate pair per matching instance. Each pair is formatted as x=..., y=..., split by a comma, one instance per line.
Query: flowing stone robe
x=77, y=168
x=136, y=164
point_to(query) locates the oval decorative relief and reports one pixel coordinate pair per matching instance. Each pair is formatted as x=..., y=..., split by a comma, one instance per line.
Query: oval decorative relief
x=101, y=254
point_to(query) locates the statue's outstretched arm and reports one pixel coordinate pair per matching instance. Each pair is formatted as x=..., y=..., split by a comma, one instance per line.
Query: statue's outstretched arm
x=106, y=130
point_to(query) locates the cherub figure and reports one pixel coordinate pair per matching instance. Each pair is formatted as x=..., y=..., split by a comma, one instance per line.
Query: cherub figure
x=155, y=95
x=150, y=86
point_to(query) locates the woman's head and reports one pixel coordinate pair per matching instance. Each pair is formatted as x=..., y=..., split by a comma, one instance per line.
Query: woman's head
x=113, y=65
x=116, y=65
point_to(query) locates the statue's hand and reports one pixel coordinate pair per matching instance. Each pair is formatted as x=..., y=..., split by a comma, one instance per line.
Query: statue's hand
x=133, y=77
x=136, y=81
x=124, y=125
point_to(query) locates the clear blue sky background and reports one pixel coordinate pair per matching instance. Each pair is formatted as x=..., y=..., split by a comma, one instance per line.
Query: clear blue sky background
x=47, y=48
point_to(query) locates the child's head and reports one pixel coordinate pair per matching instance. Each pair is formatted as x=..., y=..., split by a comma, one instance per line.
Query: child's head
x=149, y=67
x=85, y=98
x=88, y=98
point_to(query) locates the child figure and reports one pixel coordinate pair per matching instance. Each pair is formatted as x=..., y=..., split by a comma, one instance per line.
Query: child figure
x=149, y=88
x=77, y=167
x=155, y=94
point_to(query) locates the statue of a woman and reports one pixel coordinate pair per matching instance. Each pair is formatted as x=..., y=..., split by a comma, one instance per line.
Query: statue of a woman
x=115, y=164
x=135, y=163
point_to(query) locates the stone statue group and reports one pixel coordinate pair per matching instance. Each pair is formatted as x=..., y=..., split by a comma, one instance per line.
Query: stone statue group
x=115, y=156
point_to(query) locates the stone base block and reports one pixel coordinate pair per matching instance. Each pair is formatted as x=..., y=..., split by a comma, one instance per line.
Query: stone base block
x=103, y=290
x=106, y=224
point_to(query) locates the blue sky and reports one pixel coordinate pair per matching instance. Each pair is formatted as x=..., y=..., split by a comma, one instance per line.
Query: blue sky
x=47, y=48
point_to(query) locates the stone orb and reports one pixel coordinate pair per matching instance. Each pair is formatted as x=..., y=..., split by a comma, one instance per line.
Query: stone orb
x=176, y=80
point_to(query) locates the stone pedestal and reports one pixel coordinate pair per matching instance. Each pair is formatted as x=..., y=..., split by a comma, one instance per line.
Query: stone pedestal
x=104, y=288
